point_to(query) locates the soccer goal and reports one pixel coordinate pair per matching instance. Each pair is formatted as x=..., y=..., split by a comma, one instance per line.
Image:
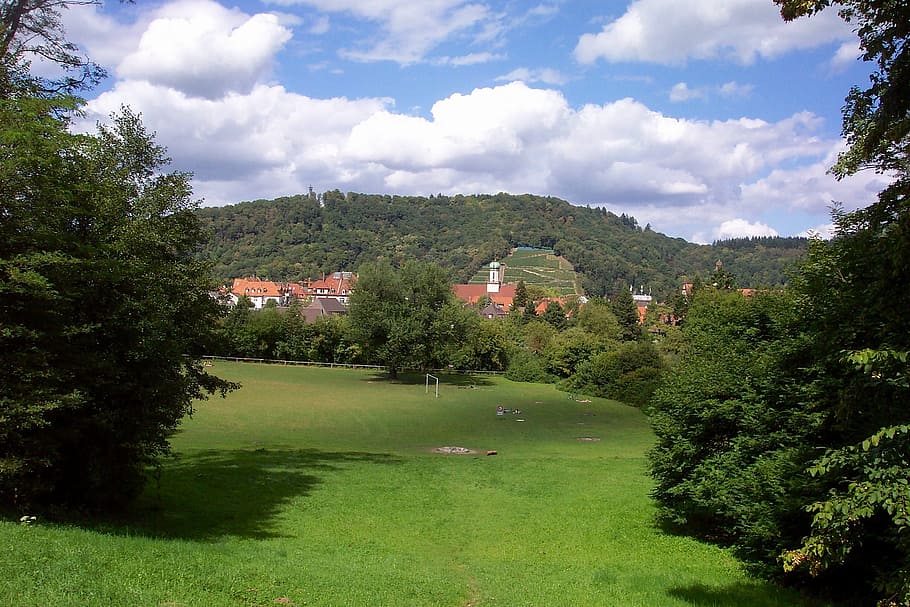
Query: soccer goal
x=433, y=377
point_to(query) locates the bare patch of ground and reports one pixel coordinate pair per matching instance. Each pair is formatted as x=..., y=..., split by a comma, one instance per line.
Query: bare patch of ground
x=454, y=450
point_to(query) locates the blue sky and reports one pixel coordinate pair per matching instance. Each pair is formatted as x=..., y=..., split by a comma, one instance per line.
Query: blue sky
x=707, y=119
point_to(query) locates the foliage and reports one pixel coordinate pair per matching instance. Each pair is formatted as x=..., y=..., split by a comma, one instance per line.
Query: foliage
x=554, y=315
x=626, y=312
x=103, y=306
x=732, y=441
x=487, y=346
x=628, y=373
x=406, y=318
x=521, y=299
x=32, y=29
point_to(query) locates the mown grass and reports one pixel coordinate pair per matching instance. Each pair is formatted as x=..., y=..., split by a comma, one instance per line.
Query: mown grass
x=320, y=487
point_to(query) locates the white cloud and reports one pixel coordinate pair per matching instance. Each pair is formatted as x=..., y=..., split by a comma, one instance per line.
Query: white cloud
x=671, y=32
x=203, y=49
x=530, y=76
x=411, y=30
x=824, y=231
x=735, y=89
x=742, y=228
x=469, y=59
x=682, y=92
x=319, y=26
x=847, y=54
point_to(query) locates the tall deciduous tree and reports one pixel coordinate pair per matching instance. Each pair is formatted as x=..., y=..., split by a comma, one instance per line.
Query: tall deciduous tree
x=405, y=318
x=856, y=295
x=103, y=306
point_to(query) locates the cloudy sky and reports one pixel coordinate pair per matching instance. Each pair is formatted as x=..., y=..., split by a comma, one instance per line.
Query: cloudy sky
x=707, y=118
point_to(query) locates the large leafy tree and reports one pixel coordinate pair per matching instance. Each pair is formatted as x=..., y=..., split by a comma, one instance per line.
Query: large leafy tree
x=791, y=439
x=406, y=318
x=856, y=302
x=102, y=305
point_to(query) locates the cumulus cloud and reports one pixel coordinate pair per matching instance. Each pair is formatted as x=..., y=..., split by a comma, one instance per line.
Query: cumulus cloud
x=203, y=49
x=742, y=228
x=847, y=54
x=824, y=231
x=682, y=92
x=671, y=33
x=687, y=177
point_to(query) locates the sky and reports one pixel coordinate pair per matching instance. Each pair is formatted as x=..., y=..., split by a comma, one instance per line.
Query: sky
x=707, y=119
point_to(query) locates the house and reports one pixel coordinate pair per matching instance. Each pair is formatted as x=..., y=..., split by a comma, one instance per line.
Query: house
x=494, y=311
x=337, y=286
x=321, y=307
x=259, y=292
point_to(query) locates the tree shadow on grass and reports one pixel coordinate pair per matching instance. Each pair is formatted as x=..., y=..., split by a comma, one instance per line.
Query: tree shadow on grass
x=741, y=595
x=460, y=380
x=210, y=494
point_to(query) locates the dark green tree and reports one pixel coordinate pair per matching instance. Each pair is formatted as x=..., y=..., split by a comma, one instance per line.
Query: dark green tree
x=405, y=318
x=521, y=298
x=626, y=313
x=31, y=29
x=733, y=435
x=104, y=309
x=861, y=524
x=555, y=315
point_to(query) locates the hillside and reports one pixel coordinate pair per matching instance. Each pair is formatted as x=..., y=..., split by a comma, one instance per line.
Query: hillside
x=304, y=236
x=539, y=267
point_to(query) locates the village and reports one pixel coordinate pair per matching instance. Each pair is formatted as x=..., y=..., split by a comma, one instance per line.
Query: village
x=329, y=295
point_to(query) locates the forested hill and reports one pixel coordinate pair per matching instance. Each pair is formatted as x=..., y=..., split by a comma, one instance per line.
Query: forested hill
x=302, y=236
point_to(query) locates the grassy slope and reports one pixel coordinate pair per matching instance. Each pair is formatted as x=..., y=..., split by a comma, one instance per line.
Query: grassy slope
x=536, y=267
x=319, y=487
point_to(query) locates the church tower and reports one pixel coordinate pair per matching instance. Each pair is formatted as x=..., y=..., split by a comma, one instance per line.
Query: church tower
x=495, y=280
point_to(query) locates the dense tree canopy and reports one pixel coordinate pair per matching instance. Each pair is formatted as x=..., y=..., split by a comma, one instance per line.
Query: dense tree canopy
x=102, y=306
x=406, y=318
x=786, y=431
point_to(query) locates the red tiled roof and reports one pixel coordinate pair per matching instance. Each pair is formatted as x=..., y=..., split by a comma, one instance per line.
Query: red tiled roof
x=254, y=287
x=472, y=293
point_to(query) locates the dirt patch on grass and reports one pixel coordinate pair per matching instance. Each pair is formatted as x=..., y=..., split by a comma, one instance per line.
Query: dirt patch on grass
x=454, y=450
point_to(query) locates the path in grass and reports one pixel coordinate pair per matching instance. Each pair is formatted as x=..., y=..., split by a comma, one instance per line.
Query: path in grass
x=320, y=487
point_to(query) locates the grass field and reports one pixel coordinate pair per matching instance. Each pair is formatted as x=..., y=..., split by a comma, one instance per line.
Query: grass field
x=321, y=487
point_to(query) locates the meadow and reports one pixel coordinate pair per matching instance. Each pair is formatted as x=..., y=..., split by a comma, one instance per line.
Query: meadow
x=322, y=487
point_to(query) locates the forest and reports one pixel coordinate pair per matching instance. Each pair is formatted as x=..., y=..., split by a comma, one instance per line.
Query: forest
x=303, y=236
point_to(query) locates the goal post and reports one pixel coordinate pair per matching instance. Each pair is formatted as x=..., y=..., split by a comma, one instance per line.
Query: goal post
x=428, y=384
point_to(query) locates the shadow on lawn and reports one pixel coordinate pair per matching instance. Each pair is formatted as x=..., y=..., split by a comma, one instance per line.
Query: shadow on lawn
x=739, y=595
x=206, y=495
x=460, y=380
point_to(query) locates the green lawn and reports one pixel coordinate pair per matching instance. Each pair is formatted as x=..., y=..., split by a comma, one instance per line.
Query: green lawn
x=320, y=487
